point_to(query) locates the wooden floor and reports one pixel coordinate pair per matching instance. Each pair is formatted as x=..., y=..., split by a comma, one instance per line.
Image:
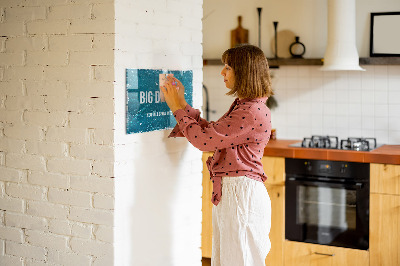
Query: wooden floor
x=206, y=261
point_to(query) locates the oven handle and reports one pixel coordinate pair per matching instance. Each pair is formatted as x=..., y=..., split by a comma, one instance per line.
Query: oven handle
x=357, y=185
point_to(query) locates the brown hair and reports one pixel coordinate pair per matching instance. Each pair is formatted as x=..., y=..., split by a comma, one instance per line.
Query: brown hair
x=250, y=66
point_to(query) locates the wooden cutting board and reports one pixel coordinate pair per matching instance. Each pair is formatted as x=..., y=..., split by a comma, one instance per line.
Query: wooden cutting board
x=239, y=35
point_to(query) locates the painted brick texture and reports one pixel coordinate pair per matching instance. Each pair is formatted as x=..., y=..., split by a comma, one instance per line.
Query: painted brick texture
x=158, y=180
x=56, y=132
x=62, y=135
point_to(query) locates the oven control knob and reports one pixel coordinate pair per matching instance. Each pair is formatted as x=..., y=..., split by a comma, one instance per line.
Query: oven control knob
x=308, y=166
x=343, y=168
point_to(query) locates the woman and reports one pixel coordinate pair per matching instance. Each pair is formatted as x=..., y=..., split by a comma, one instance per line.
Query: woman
x=242, y=208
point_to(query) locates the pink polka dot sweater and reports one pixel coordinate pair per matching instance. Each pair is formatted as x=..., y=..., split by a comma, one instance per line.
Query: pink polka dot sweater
x=238, y=139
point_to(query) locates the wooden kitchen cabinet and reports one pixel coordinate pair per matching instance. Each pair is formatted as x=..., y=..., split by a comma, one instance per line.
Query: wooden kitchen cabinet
x=277, y=233
x=385, y=178
x=274, y=168
x=305, y=254
x=206, y=225
x=384, y=237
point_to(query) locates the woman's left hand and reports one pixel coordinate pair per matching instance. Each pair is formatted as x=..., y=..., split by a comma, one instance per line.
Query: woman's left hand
x=170, y=91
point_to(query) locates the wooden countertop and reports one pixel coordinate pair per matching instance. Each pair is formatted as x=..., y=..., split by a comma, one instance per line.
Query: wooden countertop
x=389, y=154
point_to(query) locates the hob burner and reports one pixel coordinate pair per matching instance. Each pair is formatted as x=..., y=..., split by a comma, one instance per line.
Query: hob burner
x=358, y=144
x=332, y=142
x=328, y=142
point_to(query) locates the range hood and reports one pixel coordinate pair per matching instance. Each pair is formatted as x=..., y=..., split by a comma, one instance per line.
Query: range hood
x=341, y=51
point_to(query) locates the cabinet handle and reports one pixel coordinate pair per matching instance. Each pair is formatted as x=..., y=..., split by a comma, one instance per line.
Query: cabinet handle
x=324, y=254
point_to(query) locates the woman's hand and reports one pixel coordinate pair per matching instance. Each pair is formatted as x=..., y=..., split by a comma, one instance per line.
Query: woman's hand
x=173, y=94
x=181, y=90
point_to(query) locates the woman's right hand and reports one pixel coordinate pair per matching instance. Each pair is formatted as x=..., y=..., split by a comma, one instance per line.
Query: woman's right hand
x=181, y=91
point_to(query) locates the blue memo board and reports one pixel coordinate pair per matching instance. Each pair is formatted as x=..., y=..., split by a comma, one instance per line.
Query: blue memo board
x=145, y=111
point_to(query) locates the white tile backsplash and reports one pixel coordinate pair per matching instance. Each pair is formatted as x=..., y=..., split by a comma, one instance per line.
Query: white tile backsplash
x=304, y=82
x=381, y=122
x=381, y=71
x=367, y=83
x=342, y=123
x=342, y=109
x=291, y=71
x=329, y=109
x=393, y=110
x=382, y=110
x=354, y=82
x=355, y=96
x=393, y=71
x=394, y=124
x=343, y=103
x=292, y=82
x=367, y=110
x=382, y=136
x=394, y=137
x=342, y=81
x=367, y=122
x=381, y=97
x=381, y=83
x=394, y=96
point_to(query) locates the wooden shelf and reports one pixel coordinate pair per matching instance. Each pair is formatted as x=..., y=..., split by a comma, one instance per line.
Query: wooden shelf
x=380, y=61
x=212, y=62
x=274, y=63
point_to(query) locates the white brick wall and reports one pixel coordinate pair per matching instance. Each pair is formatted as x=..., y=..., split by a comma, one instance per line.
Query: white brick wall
x=68, y=258
x=59, y=126
x=56, y=132
x=156, y=177
x=17, y=220
x=25, y=251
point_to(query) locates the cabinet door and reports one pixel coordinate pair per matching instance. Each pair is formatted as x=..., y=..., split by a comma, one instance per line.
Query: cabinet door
x=304, y=254
x=206, y=226
x=274, y=168
x=385, y=178
x=277, y=233
x=384, y=229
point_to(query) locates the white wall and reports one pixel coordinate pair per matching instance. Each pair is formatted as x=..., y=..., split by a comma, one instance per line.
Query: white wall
x=158, y=180
x=344, y=103
x=305, y=18
x=56, y=132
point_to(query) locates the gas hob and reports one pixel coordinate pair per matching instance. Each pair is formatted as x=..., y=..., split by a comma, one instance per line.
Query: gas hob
x=332, y=142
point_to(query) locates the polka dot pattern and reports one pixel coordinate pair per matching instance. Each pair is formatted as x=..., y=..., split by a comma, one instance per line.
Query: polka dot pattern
x=238, y=139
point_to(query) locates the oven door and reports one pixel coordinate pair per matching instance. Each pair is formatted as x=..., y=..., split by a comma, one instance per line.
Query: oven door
x=327, y=213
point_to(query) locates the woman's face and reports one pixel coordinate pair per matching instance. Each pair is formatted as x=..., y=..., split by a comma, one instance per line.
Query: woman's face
x=229, y=76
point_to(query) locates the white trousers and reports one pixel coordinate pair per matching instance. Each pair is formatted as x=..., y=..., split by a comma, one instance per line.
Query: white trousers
x=241, y=223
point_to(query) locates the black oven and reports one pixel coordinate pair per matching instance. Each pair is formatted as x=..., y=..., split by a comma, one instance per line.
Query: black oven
x=327, y=202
